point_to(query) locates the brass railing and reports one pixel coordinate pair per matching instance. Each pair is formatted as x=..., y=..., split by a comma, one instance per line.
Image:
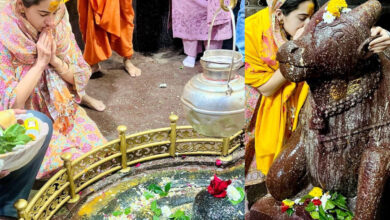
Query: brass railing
x=120, y=154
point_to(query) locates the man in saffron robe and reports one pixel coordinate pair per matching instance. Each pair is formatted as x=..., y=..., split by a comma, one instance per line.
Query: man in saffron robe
x=106, y=26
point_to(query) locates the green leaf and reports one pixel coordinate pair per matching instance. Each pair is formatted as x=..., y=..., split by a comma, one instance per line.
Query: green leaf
x=341, y=205
x=156, y=217
x=340, y=201
x=315, y=215
x=163, y=194
x=307, y=197
x=322, y=213
x=23, y=138
x=329, y=217
x=127, y=211
x=334, y=196
x=340, y=214
x=329, y=205
x=14, y=130
x=349, y=218
x=310, y=207
x=155, y=188
x=184, y=217
x=290, y=212
x=155, y=209
x=148, y=195
x=177, y=214
x=167, y=187
x=12, y=136
x=117, y=213
x=157, y=212
x=153, y=205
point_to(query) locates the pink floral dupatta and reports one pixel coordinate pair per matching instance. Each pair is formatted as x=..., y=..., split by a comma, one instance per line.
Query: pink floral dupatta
x=52, y=95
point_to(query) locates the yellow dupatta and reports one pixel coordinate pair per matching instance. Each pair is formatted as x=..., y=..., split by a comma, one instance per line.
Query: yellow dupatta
x=262, y=39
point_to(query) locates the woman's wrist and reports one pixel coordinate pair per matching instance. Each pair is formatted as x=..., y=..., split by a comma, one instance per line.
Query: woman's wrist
x=40, y=67
x=60, y=66
x=56, y=63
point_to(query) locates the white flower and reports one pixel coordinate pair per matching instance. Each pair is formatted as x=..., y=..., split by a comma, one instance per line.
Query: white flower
x=233, y=193
x=166, y=211
x=328, y=17
x=298, y=201
x=324, y=199
x=117, y=217
x=346, y=10
x=135, y=206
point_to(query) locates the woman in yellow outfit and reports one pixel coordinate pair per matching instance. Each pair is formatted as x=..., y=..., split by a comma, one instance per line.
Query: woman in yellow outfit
x=280, y=100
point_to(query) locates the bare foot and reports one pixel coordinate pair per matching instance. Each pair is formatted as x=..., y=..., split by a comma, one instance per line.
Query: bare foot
x=131, y=69
x=95, y=68
x=93, y=103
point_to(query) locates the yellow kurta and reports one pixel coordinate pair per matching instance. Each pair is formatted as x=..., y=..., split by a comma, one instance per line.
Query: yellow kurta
x=278, y=114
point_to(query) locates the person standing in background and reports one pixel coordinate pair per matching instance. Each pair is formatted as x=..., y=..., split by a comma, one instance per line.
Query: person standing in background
x=106, y=26
x=240, y=30
x=190, y=22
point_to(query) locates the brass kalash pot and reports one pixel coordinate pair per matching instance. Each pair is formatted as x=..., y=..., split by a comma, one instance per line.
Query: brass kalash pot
x=214, y=100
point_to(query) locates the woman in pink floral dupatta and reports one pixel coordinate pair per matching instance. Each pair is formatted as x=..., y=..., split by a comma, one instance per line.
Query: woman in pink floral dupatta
x=42, y=68
x=190, y=22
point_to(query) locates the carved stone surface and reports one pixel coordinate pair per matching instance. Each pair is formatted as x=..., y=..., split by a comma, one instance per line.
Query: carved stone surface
x=208, y=207
x=342, y=143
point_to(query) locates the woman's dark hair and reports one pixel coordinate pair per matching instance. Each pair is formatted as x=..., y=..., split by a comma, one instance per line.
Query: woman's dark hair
x=291, y=5
x=29, y=3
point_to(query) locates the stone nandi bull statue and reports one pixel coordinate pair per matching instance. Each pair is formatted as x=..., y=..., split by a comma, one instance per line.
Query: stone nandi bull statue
x=343, y=140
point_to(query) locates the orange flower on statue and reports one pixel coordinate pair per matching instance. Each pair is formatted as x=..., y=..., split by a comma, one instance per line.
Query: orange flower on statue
x=55, y=3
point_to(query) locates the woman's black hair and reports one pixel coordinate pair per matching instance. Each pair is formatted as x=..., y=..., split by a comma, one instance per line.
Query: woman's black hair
x=29, y=3
x=291, y=5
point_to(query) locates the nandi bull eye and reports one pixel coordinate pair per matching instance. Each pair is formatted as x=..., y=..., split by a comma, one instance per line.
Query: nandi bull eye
x=338, y=35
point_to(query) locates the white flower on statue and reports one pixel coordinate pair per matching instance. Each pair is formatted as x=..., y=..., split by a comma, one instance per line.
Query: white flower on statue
x=324, y=199
x=298, y=201
x=328, y=17
x=345, y=10
x=166, y=211
x=233, y=193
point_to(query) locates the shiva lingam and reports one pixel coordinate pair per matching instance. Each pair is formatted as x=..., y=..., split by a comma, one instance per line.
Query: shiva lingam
x=214, y=100
x=342, y=141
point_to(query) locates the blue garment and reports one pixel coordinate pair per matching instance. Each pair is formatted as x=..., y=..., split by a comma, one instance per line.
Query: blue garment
x=18, y=184
x=240, y=30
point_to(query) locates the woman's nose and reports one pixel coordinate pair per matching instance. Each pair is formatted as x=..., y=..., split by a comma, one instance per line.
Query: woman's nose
x=50, y=21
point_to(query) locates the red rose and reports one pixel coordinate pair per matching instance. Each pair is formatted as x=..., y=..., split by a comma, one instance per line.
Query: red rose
x=284, y=207
x=217, y=187
x=316, y=202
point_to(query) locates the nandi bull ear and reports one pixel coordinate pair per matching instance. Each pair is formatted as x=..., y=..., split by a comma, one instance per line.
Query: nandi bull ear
x=363, y=18
x=365, y=15
x=363, y=51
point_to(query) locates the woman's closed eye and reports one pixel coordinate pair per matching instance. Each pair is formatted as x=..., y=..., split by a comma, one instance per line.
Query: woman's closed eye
x=302, y=17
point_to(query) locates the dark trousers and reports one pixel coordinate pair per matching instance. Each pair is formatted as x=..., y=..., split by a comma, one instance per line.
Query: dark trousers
x=18, y=184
